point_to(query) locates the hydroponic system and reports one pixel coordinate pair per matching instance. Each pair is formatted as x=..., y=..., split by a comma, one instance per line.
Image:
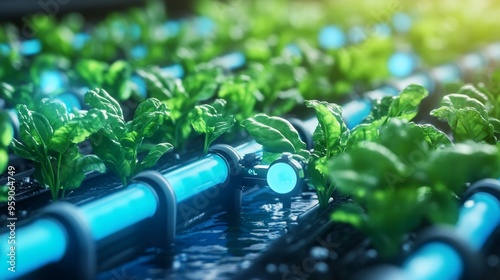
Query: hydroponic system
x=249, y=139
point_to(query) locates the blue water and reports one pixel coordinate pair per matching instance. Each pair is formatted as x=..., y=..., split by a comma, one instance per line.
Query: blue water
x=221, y=245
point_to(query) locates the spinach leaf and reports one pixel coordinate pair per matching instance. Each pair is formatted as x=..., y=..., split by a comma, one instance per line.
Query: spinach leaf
x=405, y=105
x=211, y=120
x=467, y=117
x=332, y=132
x=50, y=137
x=241, y=94
x=413, y=168
x=118, y=142
x=275, y=134
x=113, y=77
x=24, y=94
x=181, y=97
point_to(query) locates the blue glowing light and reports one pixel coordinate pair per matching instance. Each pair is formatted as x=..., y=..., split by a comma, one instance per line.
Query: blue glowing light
x=42, y=242
x=4, y=49
x=493, y=51
x=51, y=81
x=331, y=37
x=172, y=28
x=479, y=217
x=447, y=73
x=80, y=40
x=382, y=30
x=199, y=176
x=175, y=70
x=418, y=79
x=117, y=211
x=135, y=31
x=31, y=47
x=70, y=101
x=474, y=61
x=139, y=52
x=205, y=26
x=402, y=22
x=356, y=35
x=281, y=178
x=249, y=148
x=401, y=64
x=355, y=111
x=293, y=50
x=434, y=261
x=140, y=84
x=231, y=61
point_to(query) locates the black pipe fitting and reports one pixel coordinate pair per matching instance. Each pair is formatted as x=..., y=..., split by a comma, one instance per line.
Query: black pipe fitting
x=80, y=260
x=472, y=261
x=232, y=159
x=166, y=214
x=304, y=133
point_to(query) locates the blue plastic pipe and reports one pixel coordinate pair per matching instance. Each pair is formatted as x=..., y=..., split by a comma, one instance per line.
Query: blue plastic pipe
x=331, y=37
x=401, y=64
x=115, y=212
x=479, y=217
x=249, y=148
x=44, y=241
x=69, y=100
x=402, y=22
x=231, y=61
x=4, y=49
x=31, y=47
x=474, y=61
x=196, y=177
x=447, y=73
x=52, y=81
x=37, y=244
x=418, y=79
x=434, y=261
x=355, y=111
x=493, y=52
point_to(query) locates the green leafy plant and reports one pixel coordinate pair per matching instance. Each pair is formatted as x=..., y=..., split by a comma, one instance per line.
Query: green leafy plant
x=332, y=137
x=242, y=94
x=211, y=120
x=118, y=142
x=19, y=95
x=403, y=106
x=471, y=114
x=276, y=135
x=401, y=181
x=277, y=81
x=6, y=136
x=181, y=96
x=49, y=137
x=113, y=77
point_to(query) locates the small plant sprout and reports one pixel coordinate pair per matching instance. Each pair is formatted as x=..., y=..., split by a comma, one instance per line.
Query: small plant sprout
x=211, y=120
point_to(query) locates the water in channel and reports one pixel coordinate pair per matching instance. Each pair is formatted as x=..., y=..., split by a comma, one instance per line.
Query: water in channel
x=222, y=244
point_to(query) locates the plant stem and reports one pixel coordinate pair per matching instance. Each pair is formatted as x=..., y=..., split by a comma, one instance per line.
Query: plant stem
x=205, y=150
x=57, y=176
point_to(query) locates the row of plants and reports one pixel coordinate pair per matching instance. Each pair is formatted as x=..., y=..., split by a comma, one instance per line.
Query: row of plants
x=374, y=163
x=340, y=71
x=389, y=162
x=386, y=160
